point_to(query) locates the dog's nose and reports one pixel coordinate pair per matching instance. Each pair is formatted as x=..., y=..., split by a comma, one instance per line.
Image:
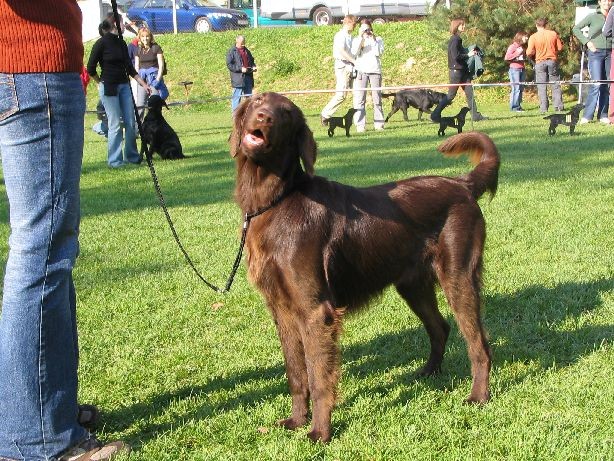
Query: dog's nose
x=264, y=116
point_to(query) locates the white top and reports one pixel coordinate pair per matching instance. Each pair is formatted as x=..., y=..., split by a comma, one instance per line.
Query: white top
x=367, y=52
x=342, y=42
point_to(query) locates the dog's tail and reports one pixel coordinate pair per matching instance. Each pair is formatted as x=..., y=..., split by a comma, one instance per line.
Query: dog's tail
x=388, y=95
x=483, y=153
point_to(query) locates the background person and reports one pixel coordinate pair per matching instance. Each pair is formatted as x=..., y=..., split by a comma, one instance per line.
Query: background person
x=111, y=54
x=515, y=56
x=599, y=55
x=42, y=108
x=545, y=46
x=149, y=63
x=242, y=66
x=367, y=49
x=608, y=32
x=458, y=69
x=344, y=64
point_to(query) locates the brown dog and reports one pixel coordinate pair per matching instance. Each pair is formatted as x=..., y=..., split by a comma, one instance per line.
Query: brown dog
x=322, y=248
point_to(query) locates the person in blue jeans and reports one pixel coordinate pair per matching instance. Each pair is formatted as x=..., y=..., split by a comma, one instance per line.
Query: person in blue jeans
x=111, y=53
x=599, y=49
x=515, y=57
x=241, y=64
x=42, y=106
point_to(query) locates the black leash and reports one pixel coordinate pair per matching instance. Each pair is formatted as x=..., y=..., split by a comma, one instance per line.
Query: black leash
x=154, y=177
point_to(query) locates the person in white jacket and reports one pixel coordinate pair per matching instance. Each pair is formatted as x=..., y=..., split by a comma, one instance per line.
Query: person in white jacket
x=367, y=49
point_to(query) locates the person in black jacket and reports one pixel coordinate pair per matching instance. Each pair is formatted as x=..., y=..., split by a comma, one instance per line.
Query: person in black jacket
x=111, y=53
x=459, y=72
x=242, y=66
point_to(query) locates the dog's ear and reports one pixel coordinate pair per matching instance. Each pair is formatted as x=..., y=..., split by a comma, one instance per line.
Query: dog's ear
x=237, y=129
x=307, y=148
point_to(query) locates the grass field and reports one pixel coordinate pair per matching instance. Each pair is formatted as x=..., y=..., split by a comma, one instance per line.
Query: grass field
x=183, y=373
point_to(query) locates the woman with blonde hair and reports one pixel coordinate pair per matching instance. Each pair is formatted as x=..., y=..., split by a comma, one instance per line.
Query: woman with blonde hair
x=149, y=63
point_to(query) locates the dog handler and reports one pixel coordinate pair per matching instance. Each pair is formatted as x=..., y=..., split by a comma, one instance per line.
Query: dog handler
x=42, y=108
x=344, y=64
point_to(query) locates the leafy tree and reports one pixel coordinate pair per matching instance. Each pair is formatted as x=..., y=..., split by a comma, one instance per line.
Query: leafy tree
x=492, y=24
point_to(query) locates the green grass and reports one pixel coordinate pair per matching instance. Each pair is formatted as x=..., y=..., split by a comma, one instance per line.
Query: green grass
x=180, y=376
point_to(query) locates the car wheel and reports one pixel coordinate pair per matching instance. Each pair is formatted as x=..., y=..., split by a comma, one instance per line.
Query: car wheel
x=379, y=21
x=322, y=16
x=203, y=26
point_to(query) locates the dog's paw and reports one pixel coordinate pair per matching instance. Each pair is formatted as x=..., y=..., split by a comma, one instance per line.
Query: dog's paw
x=317, y=435
x=292, y=423
x=478, y=398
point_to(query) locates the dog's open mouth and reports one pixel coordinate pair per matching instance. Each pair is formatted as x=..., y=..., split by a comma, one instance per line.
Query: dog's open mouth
x=255, y=138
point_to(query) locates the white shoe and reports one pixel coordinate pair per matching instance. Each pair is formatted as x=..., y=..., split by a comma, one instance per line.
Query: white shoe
x=380, y=128
x=605, y=120
x=360, y=129
x=583, y=121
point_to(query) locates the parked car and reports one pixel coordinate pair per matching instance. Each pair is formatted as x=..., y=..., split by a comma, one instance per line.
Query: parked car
x=192, y=16
x=247, y=6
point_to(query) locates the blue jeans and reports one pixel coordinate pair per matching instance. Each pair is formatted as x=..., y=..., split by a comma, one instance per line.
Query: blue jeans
x=120, y=107
x=41, y=143
x=598, y=94
x=247, y=88
x=516, y=77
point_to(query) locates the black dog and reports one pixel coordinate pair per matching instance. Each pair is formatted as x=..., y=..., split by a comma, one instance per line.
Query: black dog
x=569, y=119
x=340, y=122
x=421, y=99
x=458, y=121
x=161, y=138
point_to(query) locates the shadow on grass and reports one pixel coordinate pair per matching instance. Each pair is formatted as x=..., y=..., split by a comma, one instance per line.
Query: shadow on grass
x=532, y=325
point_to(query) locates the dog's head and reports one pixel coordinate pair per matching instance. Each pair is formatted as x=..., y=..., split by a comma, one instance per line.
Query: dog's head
x=463, y=112
x=155, y=103
x=575, y=110
x=435, y=96
x=270, y=130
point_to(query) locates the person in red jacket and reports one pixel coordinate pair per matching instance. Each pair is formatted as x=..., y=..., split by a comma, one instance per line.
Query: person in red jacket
x=42, y=106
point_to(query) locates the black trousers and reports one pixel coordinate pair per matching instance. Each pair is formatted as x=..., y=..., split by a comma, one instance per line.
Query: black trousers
x=461, y=76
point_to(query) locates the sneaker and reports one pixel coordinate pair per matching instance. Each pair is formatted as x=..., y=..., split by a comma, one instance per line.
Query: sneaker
x=93, y=450
x=605, y=120
x=360, y=129
x=584, y=120
x=479, y=117
x=560, y=109
x=381, y=128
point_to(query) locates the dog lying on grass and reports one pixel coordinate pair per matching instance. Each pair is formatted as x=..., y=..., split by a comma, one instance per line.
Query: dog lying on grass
x=344, y=122
x=569, y=119
x=161, y=138
x=458, y=121
x=421, y=99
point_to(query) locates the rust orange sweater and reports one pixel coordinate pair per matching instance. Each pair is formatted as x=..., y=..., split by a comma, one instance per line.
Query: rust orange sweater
x=40, y=36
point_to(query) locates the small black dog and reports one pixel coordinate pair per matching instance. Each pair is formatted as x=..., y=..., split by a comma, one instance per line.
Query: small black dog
x=158, y=133
x=458, y=121
x=341, y=122
x=421, y=99
x=569, y=119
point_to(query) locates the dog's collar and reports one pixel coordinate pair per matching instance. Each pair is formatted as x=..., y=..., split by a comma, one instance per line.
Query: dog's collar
x=273, y=204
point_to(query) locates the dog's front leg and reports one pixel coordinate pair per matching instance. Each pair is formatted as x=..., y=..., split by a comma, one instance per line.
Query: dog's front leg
x=296, y=371
x=321, y=335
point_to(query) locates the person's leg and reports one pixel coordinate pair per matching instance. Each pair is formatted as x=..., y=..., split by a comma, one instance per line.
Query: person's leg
x=342, y=82
x=522, y=78
x=359, y=99
x=248, y=88
x=375, y=80
x=611, y=103
x=115, y=132
x=554, y=76
x=594, y=69
x=456, y=76
x=41, y=143
x=541, y=77
x=514, y=75
x=235, y=98
x=131, y=153
x=604, y=92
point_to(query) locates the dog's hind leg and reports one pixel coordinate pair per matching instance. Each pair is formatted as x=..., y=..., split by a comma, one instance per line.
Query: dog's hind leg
x=296, y=371
x=420, y=296
x=322, y=326
x=392, y=112
x=458, y=268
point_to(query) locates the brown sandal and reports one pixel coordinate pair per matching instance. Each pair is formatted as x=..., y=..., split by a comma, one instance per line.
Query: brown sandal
x=88, y=416
x=94, y=450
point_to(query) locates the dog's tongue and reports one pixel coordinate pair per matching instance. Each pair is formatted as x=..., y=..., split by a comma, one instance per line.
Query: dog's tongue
x=253, y=139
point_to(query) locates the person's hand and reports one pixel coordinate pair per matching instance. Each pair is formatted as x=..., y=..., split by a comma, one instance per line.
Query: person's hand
x=519, y=49
x=244, y=69
x=473, y=52
x=254, y=68
x=591, y=46
x=147, y=88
